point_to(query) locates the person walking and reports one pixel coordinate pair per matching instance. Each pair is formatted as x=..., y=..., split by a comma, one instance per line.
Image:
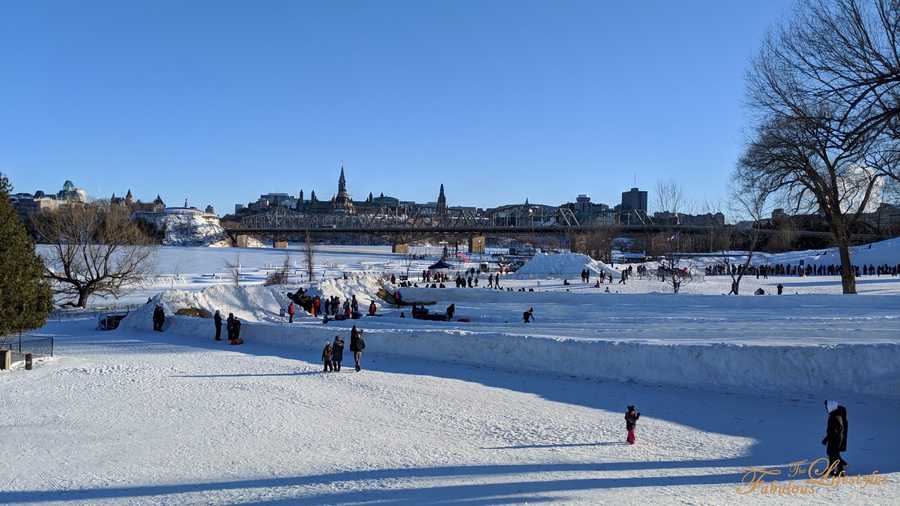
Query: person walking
x=357, y=345
x=291, y=312
x=631, y=418
x=835, y=439
x=372, y=308
x=217, y=320
x=327, y=356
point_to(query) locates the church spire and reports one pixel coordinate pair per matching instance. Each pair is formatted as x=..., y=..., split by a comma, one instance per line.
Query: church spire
x=441, y=201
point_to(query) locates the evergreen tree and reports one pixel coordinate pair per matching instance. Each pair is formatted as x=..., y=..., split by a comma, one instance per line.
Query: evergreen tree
x=25, y=297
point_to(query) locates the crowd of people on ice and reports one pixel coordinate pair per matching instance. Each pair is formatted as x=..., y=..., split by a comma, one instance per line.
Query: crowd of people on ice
x=764, y=271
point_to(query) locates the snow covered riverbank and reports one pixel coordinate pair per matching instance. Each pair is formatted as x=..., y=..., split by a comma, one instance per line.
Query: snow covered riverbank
x=135, y=417
x=786, y=346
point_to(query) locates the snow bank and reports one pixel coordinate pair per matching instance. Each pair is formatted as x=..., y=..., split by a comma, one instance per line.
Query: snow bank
x=876, y=253
x=777, y=368
x=249, y=303
x=562, y=265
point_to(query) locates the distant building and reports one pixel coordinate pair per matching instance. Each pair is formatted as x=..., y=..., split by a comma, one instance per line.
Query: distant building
x=634, y=200
x=587, y=212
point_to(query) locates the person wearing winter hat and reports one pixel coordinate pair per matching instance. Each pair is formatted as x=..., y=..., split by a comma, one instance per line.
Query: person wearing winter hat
x=835, y=439
x=631, y=418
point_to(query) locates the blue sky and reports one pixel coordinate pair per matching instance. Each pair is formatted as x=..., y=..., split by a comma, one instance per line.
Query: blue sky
x=220, y=101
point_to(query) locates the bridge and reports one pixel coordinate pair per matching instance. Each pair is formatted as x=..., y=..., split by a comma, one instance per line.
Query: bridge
x=403, y=227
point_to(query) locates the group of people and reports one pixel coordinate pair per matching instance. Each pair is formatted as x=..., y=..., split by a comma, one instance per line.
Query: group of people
x=232, y=327
x=333, y=353
x=764, y=271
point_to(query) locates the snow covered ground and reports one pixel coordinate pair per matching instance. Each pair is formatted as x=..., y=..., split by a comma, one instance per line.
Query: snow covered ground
x=488, y=411
x=136, y=417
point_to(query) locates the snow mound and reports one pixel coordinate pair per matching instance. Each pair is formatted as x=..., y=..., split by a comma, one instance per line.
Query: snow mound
x=187, y=228
x=250, y=303
x=562, y=265
x=365, y=288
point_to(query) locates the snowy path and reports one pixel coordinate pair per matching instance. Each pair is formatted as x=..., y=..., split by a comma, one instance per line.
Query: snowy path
x=138, y=417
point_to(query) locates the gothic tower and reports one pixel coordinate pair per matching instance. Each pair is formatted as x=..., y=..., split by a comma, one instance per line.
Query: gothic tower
x=441, y=202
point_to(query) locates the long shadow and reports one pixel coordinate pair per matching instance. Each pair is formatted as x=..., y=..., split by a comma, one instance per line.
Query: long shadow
x=790, y=430
x=421, y=495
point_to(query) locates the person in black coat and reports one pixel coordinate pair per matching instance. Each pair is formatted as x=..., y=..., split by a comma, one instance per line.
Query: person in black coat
x=217, y=320
x=159, y=318
x=357, y=345
x=528, y=315
x=230, y=326
x=835, y=439
x=237, y=332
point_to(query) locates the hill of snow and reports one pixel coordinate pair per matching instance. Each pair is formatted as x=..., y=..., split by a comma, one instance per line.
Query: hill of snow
x=562, y=265
x=187, y=228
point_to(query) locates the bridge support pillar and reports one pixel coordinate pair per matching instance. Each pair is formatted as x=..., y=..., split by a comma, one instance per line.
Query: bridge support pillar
x=400, y=247
x=241, y=240
x=476, y=244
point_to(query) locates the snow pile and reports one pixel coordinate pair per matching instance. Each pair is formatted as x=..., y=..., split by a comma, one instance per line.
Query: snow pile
x=364, y=287
x=250, y=303
x=187, y=228
x=563, y=265
x=249, y=242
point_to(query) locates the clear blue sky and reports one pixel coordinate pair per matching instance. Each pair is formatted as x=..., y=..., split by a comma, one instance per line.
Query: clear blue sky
x=219, y=101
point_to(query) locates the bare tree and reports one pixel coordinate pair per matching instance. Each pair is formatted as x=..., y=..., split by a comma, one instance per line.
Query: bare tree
x=749, y=200
x=94, y=250
x=669, y=198
x=282, y=275
x=310, y=257
x=803, y=148
x=234, y=269
x=845, y=54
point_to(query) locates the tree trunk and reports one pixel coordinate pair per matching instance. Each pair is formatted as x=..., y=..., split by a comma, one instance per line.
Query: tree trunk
x=842, y=238
x=82, y=298
x=848, y=274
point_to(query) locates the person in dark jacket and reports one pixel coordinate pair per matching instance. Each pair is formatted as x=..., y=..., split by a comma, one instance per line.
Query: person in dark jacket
x=337, y=352
x=528, y=315
x=159, y=318
x=451, y=310
x=372, y=308
x=229, y=325
x=835, y=439
x=217, y=320
x=631, y=418
x=236, y=329
x=357, y=345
